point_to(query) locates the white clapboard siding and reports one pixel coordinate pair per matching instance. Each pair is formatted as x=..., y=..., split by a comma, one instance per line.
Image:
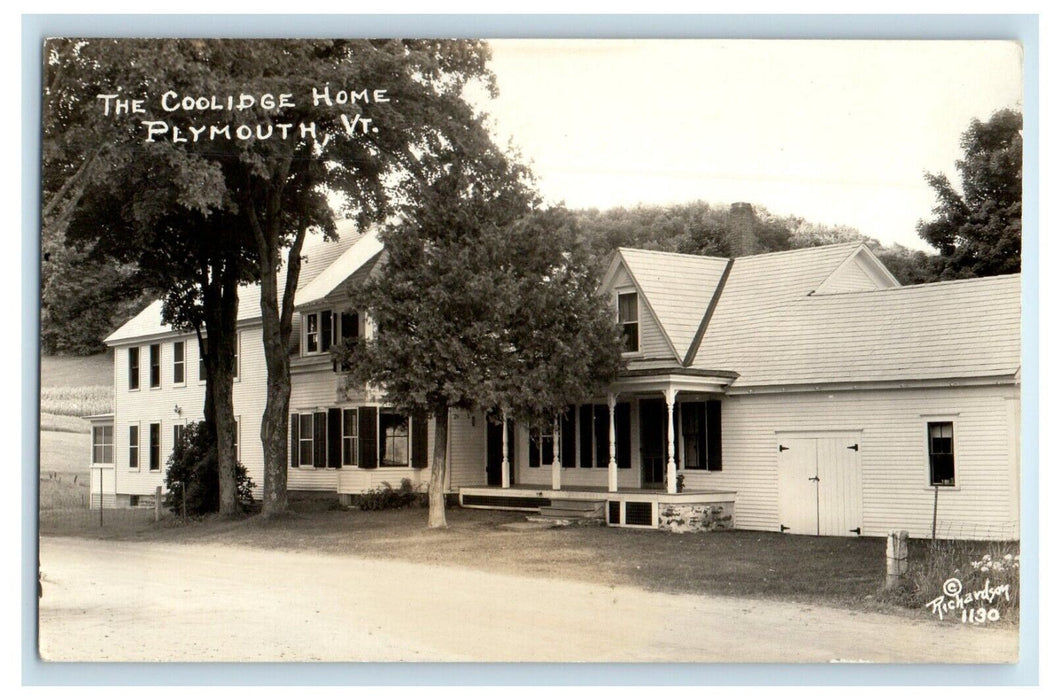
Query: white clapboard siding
x=146, y=406
x=466, y=449
x=893, y=456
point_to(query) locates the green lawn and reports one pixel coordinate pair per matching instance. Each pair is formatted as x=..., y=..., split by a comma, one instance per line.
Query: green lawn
x=844, y=572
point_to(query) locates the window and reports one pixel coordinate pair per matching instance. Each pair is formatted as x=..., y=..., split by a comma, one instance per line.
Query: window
x=237, y=438
x=155, y=366
x=202, y=375
x=179, y=362
x=628, y=319
x=133, y=369
x=324, y=329
x=306, y=440
x=155, y=447
x=941, y=453
x=177, y=435
x=350, y=437
x=102, y=444
x=133, y=446
x=542, y=446
x=394, y=439
x=700, y=427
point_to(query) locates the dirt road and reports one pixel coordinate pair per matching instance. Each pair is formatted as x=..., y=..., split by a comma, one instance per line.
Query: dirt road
x=129, y=601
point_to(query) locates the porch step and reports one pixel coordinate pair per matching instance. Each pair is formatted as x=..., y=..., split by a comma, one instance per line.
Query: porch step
x=573, y=510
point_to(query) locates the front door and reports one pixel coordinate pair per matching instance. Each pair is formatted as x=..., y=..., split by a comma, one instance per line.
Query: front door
x=493, y=453
x=820, y=485
x=653, y=443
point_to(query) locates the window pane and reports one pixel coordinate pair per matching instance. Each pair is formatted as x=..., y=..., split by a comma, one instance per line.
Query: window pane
x=941, y=454
x=394, y=439
x=631, y=334
x=627, y=308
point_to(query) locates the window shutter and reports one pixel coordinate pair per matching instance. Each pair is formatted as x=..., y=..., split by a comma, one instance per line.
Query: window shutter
x=333, y=434
x=535, y=447
x=602, y=430
x=319, y=440
x=713, y=438
x=585, y=421
x=367, y=437
x=566, y=437
x=419, y=449
x=327, y=329
x=294, y=440
x=624, y=438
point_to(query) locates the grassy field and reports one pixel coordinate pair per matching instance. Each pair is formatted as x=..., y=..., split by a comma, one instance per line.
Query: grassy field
x=64, y=452
x=94, y=370
x=76, y=400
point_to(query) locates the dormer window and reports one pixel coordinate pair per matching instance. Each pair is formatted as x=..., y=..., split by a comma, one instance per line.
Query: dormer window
x=629, y=320
x=324, y=329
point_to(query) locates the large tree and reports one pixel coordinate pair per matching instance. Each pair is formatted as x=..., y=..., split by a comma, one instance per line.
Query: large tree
x=483, y=302
x=323, y=121
x=977, y=230
x=115, y=199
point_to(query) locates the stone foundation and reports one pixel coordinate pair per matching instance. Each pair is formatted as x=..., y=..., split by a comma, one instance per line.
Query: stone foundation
x=696, y=517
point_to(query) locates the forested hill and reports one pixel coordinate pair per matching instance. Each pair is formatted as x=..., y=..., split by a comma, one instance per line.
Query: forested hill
x=701, y=228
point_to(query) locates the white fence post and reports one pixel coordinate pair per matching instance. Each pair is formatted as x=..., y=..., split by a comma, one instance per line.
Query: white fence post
x=896, y=560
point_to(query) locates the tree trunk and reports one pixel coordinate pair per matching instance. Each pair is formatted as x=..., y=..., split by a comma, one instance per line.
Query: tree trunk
x=437, y=487
x=274, y=430
x=221, y=314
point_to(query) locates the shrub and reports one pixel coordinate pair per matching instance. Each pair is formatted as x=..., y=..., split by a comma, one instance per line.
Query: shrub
x=385, y=497
x=975, y=564
x=194, y=466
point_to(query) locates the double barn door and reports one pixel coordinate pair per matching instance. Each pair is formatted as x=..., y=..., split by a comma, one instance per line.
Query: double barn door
x=820, y=484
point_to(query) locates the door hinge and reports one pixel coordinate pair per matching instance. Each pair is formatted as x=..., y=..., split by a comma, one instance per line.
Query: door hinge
x=783, y=528
x=857, y=531
x=854, y=447
x=783, y=448
x=813, y=478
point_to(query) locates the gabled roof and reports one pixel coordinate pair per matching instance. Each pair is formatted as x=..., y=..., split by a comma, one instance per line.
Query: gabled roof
x=318, y=256
x=757, y=290
x=678, y=289
x=945, y=330
x=829, y=314
x=365, y=249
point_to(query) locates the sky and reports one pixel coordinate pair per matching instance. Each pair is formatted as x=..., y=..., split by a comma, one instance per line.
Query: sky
x=837, y=132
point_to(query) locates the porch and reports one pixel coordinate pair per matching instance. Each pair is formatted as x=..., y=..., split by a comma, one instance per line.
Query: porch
x=685, y=511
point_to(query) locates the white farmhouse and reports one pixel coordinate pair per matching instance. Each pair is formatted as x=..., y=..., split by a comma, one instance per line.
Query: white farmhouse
x=803, y=391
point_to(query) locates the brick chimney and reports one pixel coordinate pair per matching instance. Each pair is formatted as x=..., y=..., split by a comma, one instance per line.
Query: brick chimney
x=742, y=230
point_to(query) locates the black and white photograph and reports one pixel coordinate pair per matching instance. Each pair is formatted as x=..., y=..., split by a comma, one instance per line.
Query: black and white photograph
x=530, y=350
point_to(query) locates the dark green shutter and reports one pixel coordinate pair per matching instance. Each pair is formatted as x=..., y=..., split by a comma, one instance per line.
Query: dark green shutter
x=419, y=449
x=319, y=440
x=327, y=329
x=623, y=449
x=535, y=447
x=566, y=437
x=602, y=430
x=367, y=437
x=713, y=437
x=333, y=435
x=586, y=431
x=294, y=440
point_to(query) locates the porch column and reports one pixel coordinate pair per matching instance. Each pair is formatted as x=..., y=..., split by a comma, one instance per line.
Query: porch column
x=557, y=466
x=506, y=481
x=612, y=461
x=670, y=465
